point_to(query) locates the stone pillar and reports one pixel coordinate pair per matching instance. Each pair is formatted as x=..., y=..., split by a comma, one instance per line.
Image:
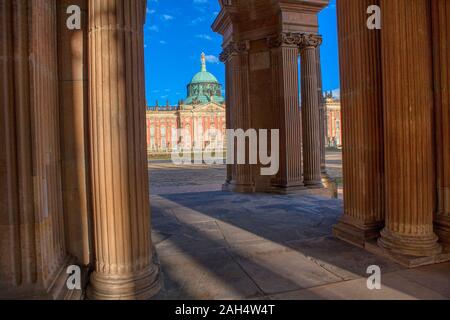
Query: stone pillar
x=12, y=272
x=284, y=66
x=32, y=244
x=322, y=118
x=441, y=34
x=310, y=111
x=73, y=101
x=407, y=70
x=362, y=125
x=228, y=115
x=236, y=57
x=124, y=256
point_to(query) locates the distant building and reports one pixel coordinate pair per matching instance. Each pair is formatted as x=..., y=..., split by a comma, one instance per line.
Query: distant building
x=202, y=110
x=333, y=119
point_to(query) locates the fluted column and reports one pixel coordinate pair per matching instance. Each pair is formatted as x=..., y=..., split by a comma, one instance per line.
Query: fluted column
x=362, y=124
x=73, y=101
x=408, y=117
x=33, y=251
x=228, y=116
x=310, y=111
x=284, y=52
x=322, y=118
x=236, y=57
x=441, y=34
x=124, y=268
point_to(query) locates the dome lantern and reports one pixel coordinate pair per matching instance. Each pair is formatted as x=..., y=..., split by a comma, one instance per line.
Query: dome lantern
x=204, y=87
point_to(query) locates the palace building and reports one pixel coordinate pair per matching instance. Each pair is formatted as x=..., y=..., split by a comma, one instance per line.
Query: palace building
x=202, y=112
x=333, y=121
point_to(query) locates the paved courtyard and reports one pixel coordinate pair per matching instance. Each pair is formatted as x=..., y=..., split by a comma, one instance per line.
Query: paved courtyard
x=219, y=245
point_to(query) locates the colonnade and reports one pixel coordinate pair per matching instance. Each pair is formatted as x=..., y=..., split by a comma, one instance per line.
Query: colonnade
x=73, y=167
x=395, y=110
x=73, y=159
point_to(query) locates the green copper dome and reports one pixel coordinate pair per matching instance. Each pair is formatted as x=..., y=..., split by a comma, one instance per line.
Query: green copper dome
x=204, y=76
x=204, y=87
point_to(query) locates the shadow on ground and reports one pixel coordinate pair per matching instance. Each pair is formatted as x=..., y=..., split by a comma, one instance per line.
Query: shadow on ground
x=218, y=245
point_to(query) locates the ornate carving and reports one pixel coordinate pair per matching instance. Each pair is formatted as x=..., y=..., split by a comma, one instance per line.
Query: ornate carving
x=290, y=39
x=302, y=40
x=234, y=48
x=310, y=40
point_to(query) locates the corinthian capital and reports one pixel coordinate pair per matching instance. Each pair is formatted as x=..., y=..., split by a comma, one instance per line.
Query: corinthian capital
x=302, y=40
x=285, y=38
x=234, y=48
x=310, y=41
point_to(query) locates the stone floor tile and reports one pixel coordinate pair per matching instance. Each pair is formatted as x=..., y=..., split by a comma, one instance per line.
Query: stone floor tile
x=435, y=277
x=211, y=276
x=276, y=268
x=342, y=259
x=394, y=287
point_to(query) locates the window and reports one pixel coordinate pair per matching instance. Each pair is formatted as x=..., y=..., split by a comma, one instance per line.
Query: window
x=163, y=138
x=152, y=138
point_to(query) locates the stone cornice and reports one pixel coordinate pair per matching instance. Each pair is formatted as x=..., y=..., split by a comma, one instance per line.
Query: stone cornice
x=234, y=48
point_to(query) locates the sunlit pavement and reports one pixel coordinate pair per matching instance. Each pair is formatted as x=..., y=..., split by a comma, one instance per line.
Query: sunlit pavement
x=218, y=245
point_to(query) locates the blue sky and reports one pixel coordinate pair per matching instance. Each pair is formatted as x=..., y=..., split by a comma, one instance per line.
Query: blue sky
x=176, y=33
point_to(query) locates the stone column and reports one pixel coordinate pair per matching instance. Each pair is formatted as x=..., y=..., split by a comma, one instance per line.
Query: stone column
x=408, y=126
x=228, y=115
x=310, y=111
x=322, y=118
x=32, y=244
x=441, y=33
x=73, y=101
x=124, y=268
x=362, y=125
x=236, y=57
x=284, y=66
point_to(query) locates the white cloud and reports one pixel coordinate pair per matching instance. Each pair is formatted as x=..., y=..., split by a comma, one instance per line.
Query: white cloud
x=153, y=28
x=204, y=36
x=212, y=59
x=166, y=17
x=336, y=93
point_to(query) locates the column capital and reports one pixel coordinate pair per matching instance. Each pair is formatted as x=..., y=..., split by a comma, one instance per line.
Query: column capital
x=310, y=41
x=284, y=39
x=234, y=48
x=301, y=40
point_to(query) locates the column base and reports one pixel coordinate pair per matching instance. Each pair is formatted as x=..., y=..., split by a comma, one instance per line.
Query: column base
x=57, y=289
x=141, y=286
x=238, y=188
x=314, y=184
x=416, y=246
x=406, y=260
x=298, y=190
x=442, y=229
x=354, y=234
